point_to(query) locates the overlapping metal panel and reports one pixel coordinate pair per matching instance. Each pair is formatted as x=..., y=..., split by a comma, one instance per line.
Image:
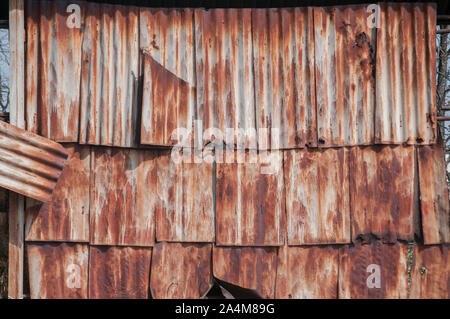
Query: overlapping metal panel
x=53, y=70
x=167, y=39
x=345, y=69
x=317, y=196
x=385, y=175
x=223, y=58
x=307, y=272
x=434, y=197
x=245, y=214
x=430, y=275
x=122, y=197
x=181, y=271
x=247, y=267
x=29, y=164
x=58, y=271
x=119, y=272
x=66, y=216
x=375, y=271
x=184, y=201
x=405, y=74
x=109, y=75
x=283, y=58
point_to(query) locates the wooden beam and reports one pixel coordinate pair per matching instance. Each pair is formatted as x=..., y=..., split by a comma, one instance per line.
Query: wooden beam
x=442, y=31
x=17, y=118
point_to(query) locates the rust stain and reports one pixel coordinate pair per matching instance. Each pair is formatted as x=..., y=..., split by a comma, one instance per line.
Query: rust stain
x=249, y=203
x=66, y=216
x=247, y=267
x=223, y=59
x=385, y=175
x=119, y=272
x=406, y=48
x=58, y=271
x=354, y=272
x=185, y=207
x=283, y=60
x=345, y=84
x=430, y=277
x=110, y=76
x=317, y=196
x=29, y=164
x=165, y=105
x=167, y=39
x=181, y=271
x=307, y=272
x=122, y=203
x=53, y=70
x=434, y=197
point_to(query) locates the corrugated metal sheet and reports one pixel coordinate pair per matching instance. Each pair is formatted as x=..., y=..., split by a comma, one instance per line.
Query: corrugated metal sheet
x=122, y=201
x=307, y=272
x=119, y=272
x=354, y=271
x=430, y=277
x=66, y=216
x=317, y=196
x=181, y=271
x=223, y=57
x=53, y=70
x=405, y=76
x=247, y=267
x=245, y=214
x=345, y=69
x=184, y=205
x=385, y=175
x=434, y=197
x=283, y=46
x=110, y=75
x=167, y=38
x=58, y=271
x=29, y=164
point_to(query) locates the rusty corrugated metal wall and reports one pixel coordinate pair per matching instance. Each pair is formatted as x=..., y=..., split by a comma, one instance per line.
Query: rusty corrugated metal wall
x=132, y=223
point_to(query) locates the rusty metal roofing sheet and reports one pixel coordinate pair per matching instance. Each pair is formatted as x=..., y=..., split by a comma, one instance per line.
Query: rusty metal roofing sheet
x=247, y=267
x=53, y=70
x=430, y=275
x=345, y=69
x=245, y=214
x=58, y=271
x=180, y=271
x=110, y=75
x=434, y=200
x=405, y=76
x=119, y=272
x=307, y=272
x=167, y=38
x=317, y=196
x=184, y=206
x=122, y=197
x=385, y=175
x=29, y=164
x=223, y=58
x=66, y=216
x=283, y=58
x=360, y=265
